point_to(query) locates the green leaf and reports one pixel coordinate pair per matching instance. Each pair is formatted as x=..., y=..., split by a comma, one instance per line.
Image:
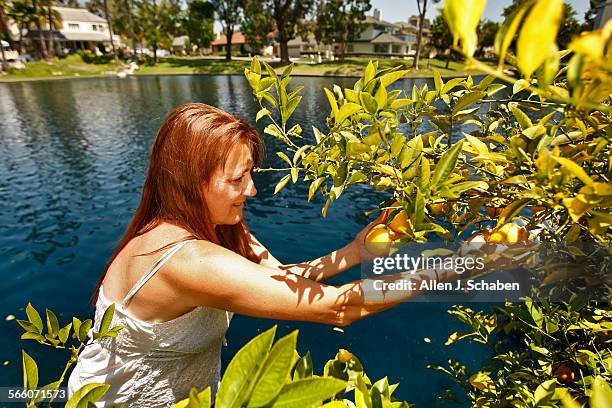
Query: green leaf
x=265, y=84
x=399, y=103
x=34, y=317
x=538, y=33
x=438, y=80
x=332, y=102
x=506, y=32
x=446, y=164
x=601, y=394
x=520, y=85
x=88, y=393
x=255, y=66
x=477, y=144
x=284, y=157
x=314, y=186
x=370, y=71
x=242, y=370
x=262, y=112
x=28, y=327
x=52, y=324
x=282, y=183
x=419, y=209
x=308, y=392
x=575, y=169
x=512, y=210
x=544, y=392
x=30, y=371
x=391, y=77
x=65, y=332
x=468, y=99
x=275, y=371
x=368, y=102
x=291, y=106
x=287, y=71
x=347, y=110
x=381, y=96
x=196, y=400
x=303, y=367
x=107, y=318
x=274, y=130
x=452, y=83
x=76, y=325
x=84, y=330
x=522, y=119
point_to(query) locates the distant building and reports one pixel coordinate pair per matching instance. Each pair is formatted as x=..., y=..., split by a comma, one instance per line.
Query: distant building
x=383, y=37
x=239, y=43
x=80, y=29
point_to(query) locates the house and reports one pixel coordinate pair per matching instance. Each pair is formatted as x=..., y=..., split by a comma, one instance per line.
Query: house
x=239, y=43
x=379, y=37
x=304, y=47
x=80, y=30
x=409, y=31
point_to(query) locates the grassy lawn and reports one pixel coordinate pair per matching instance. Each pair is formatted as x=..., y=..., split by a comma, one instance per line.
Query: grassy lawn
x=70, y=66
x=73, y=66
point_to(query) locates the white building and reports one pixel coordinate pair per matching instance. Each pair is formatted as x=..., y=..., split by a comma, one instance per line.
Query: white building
x=80, y=29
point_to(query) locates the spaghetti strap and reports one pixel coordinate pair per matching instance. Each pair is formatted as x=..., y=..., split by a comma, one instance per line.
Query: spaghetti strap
x=145, y=278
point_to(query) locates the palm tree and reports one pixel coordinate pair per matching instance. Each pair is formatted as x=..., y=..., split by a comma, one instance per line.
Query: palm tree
x=54, y=19
x=110, y=31
x=21, y=13
x=3, y=33
x=38, y=16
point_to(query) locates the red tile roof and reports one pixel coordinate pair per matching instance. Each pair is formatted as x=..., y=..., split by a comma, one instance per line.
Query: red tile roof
x=237, y=38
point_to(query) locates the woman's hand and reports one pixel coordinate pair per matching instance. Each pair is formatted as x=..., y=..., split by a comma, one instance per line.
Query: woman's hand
x=358, y=245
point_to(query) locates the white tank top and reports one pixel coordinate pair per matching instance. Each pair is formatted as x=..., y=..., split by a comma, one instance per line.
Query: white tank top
x=153, y=364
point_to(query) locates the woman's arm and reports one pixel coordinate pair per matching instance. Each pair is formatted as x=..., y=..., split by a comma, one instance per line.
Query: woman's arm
x=209, y=275
x=324, y=267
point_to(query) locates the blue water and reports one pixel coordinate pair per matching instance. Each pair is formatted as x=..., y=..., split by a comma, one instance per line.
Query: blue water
x=73, y=155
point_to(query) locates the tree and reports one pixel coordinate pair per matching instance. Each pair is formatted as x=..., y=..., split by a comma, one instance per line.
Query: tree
x=288, y=16
x=159, y=20
x=69, y=3
x=4, y=33
x=255, y=25
x=569, y=27
x=38, y=16
x=441, y=37
x=486, y=34
x=422, y=6
x=21, y=12
x=199, y=23
x=110, y=31
x=228, y=13
x=341, y=21
x=53, y=21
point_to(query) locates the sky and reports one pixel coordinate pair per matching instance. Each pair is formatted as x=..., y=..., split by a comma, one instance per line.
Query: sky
x=399, y=10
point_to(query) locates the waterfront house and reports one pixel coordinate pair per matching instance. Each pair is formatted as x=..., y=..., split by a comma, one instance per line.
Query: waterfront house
x=79, y=29
x=381, y=37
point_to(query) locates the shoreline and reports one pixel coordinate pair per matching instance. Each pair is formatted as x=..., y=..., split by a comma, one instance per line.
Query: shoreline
x=114, y=76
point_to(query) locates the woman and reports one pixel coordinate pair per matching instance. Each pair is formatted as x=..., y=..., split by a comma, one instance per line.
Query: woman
x=188, y=262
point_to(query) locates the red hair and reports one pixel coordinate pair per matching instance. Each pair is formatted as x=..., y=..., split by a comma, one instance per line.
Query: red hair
x=192, y=143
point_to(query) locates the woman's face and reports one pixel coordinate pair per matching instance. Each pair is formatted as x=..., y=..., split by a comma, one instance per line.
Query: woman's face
x=230, y=186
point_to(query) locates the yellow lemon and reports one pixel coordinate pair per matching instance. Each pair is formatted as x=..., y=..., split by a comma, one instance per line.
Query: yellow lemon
x=377, y=241
x=399, y=221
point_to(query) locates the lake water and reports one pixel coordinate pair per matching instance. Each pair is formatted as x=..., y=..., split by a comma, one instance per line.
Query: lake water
x=73, y=155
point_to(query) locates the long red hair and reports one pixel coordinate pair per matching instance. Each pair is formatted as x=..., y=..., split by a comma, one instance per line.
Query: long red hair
x=192, y=143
